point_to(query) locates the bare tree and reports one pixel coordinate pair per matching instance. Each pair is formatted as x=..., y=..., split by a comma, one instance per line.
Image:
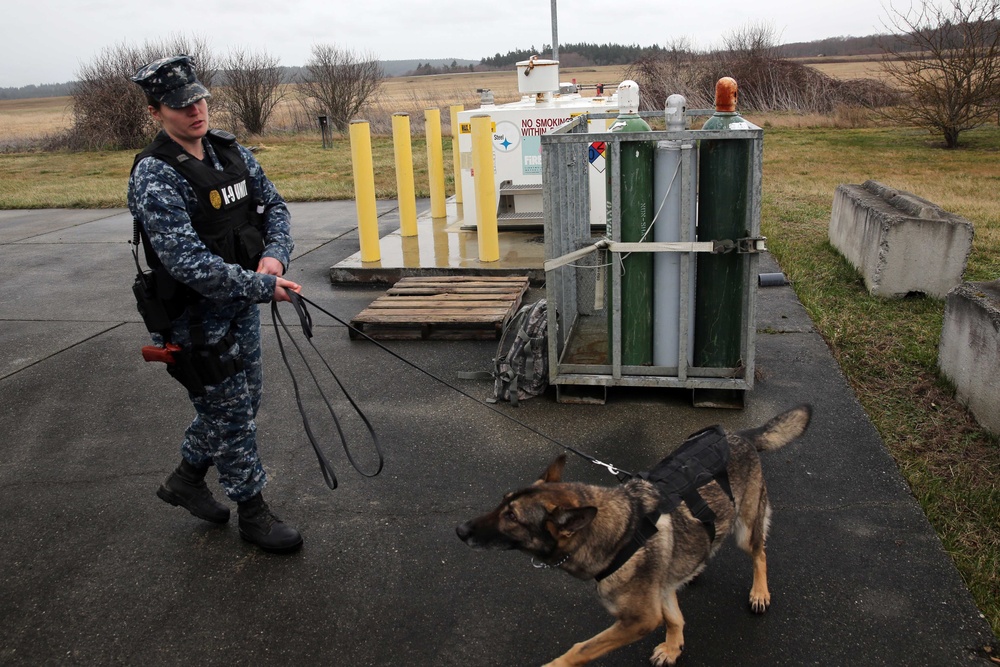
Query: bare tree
x=109, y=111
x=755, y=39
x=253, y=88
x=947, y=59
x=674, y=70
x=341, y=82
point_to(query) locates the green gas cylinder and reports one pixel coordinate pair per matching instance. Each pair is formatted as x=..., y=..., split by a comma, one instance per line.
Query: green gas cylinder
x=636, y=217
x=723, y=200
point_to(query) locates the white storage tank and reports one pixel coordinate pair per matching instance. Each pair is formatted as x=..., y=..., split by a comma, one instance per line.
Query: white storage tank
x=536, y=76
x=517, y=149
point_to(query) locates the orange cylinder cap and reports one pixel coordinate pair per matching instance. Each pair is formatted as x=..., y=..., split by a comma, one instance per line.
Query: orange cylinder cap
x=725, y=94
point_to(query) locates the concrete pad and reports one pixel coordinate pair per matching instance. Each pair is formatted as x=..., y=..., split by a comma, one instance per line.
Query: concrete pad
x=67, y=282
x=114, y=227
x=24, y=343
x=440, y=248
x=19, y=225
x=328, y=220
x=779, y=311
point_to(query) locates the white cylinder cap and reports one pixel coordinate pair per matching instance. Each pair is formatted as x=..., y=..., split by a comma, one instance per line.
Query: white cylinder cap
x=628, y=97
x=676, y=106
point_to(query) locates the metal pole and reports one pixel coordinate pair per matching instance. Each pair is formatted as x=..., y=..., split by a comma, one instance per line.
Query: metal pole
x=555, y=33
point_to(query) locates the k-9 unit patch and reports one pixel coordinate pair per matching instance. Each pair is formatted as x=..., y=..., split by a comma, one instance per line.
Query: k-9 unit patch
x=227, y=196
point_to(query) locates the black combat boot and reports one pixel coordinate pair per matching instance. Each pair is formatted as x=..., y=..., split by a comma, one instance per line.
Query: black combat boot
x=186, y=487
x=260, y=526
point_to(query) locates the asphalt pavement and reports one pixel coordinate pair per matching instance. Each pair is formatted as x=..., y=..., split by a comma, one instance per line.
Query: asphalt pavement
x=96, y=570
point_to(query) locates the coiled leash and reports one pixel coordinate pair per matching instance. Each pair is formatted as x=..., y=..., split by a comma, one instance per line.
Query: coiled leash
x=305, y=319
x=299, y=301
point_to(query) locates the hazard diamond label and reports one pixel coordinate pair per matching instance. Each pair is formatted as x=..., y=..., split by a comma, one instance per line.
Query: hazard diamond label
x=596, y=155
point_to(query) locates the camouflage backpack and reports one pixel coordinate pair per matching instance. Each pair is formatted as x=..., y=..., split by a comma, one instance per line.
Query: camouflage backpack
x=521, y=367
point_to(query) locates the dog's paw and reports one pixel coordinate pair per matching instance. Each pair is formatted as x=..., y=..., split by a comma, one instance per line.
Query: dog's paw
x=665, y=654
x=759, y=602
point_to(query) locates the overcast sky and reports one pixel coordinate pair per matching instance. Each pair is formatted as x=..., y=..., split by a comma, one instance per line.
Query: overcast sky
x=46, y=41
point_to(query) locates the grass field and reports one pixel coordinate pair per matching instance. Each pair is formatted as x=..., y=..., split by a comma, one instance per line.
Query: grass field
x=22, y=121
x=886, y=349
x=847, y=67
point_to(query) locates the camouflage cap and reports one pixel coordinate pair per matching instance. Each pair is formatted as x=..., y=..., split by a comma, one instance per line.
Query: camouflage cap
x=171, y=81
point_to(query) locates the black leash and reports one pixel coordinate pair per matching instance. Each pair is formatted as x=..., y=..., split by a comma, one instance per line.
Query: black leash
x=305, y=319
x=299, y=301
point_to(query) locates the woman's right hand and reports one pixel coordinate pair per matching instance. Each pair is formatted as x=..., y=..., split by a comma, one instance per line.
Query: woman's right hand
x=281, y=285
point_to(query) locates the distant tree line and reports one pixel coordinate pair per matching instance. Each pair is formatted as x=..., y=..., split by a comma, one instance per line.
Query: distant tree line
x=585, y=53
x=426, y=69
x=30, y=91
x=873, y=44
x=833, y=47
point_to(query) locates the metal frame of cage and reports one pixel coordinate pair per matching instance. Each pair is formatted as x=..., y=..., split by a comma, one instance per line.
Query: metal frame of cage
x=569, y=240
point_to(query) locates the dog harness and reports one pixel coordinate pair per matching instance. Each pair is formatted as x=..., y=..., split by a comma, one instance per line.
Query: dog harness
x=700, y=459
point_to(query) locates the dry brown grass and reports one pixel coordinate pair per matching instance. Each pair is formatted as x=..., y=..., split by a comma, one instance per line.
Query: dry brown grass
x=847, y=67
x=27, y=120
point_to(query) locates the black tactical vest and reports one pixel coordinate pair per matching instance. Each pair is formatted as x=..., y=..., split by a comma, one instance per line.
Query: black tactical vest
x=226, y=220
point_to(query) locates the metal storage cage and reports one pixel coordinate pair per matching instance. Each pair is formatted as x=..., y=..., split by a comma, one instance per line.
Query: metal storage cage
x=581, y=365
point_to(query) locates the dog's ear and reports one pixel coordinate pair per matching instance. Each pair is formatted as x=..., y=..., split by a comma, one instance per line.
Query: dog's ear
x=568, y=520
x=554, y=472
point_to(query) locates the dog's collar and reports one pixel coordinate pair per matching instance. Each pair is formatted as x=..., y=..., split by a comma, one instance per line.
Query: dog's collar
x=545, y=566
x=645, y=529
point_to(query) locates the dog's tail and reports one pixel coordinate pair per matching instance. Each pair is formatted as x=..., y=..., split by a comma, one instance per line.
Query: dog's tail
x=780, y=430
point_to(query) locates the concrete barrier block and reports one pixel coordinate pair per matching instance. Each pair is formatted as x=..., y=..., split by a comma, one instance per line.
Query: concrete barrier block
x=969, y=351
x=899, y=242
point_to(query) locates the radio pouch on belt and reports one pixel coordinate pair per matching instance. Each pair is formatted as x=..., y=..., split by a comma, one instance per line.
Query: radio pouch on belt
x=150, y=305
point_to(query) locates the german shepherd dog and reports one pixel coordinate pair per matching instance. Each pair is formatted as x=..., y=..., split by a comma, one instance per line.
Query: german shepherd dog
x=581, y=528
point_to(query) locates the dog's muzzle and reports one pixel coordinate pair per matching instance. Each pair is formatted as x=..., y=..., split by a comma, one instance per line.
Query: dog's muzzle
x=464, y=531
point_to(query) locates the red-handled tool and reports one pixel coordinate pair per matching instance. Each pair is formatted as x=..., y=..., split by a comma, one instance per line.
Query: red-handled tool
x=164, y=354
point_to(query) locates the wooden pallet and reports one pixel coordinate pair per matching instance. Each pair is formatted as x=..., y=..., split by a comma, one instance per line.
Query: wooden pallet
x=442, y=307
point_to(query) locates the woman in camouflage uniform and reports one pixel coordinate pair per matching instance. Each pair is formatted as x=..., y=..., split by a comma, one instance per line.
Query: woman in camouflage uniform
x=217, y=231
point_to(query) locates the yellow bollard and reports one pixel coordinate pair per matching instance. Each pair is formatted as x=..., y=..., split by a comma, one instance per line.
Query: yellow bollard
x=435, y=162
x=486, y=194
x=456, y=157
x=364, y=190
x=403, y=152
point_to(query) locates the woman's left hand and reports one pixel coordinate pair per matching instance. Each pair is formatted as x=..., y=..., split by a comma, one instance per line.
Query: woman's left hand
x=270, y=266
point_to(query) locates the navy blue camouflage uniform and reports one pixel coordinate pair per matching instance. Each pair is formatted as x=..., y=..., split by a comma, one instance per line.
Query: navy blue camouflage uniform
x=224, y=431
